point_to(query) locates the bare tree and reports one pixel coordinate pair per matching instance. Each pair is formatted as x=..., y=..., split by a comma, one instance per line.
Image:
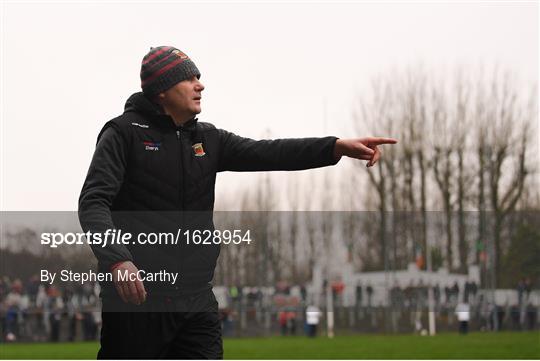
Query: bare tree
x=294, y=221
x=442, y=163
x=375, y=112
x=505, y=160
x=461, y=134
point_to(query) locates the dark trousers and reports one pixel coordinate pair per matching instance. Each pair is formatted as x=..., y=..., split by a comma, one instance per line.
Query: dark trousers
x=463, y=327
x=312, y=330
x=54, y=320
x=186, y=327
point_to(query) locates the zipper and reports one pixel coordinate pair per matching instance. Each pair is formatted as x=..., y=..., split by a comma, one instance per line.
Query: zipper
x=181, y=196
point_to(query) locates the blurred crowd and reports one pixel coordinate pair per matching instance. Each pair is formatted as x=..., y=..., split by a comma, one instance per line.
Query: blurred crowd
x=468, y=303
x=33, y=311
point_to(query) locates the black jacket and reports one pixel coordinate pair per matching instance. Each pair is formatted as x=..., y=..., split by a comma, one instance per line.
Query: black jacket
x=146, y=173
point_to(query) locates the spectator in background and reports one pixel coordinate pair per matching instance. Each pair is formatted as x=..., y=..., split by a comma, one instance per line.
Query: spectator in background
x=463, y=313
x=226, y=320
x=90, y=326
x=337, y=292
x=527, y=288
x=90, y=318
x=358, y=295
x=55, y=306
x=72, y=307
x=32, y=287
x=437, y=294
x=410, y=296
x=492, y=316
x=520, y=290
x=473, y=290
x=291, y=322
x=233, y=292
x=500, y=317
x=43, y=325
x=3, y=288
x=394, y=295
x=282, y=319
x=313, y=314
x=515, y=317
x=14, y=305
x=369, y=291
x=532, y=316
x=303, y=293
x=455, y=292
x=466, y=290
x=447, y=294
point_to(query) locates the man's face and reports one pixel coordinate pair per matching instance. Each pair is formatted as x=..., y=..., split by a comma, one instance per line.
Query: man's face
x=184, y=97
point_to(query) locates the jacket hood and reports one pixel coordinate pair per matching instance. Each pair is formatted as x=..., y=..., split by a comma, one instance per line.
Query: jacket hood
x=139, y=103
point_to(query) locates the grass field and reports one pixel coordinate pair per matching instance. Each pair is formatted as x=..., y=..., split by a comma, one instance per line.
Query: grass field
x=503, y=345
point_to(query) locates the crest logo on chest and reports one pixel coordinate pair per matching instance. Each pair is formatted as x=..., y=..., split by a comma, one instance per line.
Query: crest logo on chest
x=198, y=149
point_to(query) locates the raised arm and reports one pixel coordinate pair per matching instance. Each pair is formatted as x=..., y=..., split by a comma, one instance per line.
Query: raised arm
x=245, y=154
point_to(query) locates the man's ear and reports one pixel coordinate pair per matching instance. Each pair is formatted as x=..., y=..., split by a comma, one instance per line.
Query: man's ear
x=159, y=98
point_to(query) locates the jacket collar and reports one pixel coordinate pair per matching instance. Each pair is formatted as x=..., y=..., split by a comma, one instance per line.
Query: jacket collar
x=139, y=103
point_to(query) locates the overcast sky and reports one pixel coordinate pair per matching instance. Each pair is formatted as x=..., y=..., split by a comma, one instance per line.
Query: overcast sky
x=68, y=68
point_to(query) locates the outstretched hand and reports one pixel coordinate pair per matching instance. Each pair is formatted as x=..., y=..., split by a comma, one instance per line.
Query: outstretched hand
x=361, y=148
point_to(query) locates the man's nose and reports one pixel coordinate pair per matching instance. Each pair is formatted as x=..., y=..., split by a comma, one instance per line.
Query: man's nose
x=199, y=86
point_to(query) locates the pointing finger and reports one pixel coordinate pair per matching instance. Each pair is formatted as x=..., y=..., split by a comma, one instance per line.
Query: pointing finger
x=378, y=141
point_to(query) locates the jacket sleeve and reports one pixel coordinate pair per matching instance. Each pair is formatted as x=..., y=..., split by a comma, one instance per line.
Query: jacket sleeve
x=244, y=154
x=103, y=182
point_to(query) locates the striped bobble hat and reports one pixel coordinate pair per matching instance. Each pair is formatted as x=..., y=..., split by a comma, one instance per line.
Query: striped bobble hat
x=163, y=67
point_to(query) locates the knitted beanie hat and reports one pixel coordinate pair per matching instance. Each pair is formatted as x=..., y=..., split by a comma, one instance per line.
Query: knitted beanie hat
x=163, y=67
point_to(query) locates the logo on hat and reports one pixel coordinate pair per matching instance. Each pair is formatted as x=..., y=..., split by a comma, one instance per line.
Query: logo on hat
x=180, y=54
x=198, y=149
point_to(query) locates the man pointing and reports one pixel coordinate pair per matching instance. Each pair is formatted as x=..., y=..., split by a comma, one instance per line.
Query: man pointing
x=153, y=165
